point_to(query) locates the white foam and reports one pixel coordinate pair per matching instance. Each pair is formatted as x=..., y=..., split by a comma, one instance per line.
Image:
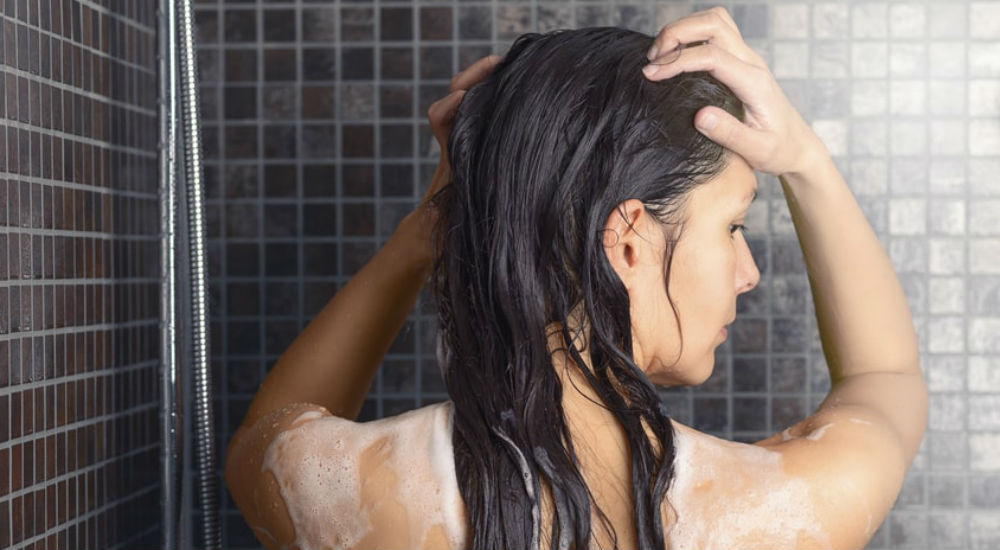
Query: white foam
x=316, y=463
x=817, y=434
x=780, y=514
x=317, y=466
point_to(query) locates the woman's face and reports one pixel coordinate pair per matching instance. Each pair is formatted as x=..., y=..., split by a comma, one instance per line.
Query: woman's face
x=711, y=266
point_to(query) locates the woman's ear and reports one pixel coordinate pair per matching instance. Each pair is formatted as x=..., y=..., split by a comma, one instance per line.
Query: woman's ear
x=625, y=241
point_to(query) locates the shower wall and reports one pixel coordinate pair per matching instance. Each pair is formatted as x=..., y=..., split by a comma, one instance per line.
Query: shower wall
x=316, y=144
x=79, y=275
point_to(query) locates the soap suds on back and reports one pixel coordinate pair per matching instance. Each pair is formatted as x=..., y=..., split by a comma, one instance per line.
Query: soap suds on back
x=725, y=494
x=316, y=464
x=782, y=514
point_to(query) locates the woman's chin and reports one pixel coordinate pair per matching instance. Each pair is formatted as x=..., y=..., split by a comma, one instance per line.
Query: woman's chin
x=690, y=376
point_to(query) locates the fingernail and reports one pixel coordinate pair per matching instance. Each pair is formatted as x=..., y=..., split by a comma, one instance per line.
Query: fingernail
x=651, y=54
x=648, y=70
x=708, y=122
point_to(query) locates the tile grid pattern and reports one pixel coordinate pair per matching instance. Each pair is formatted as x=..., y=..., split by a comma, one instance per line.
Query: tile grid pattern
x=913, y=131
x=79, y=280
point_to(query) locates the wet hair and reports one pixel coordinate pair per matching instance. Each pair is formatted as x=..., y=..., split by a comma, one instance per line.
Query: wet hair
x=563, y=130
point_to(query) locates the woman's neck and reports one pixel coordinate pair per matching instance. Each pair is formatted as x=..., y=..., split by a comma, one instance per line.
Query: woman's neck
x=599, y=440
x=587, y=416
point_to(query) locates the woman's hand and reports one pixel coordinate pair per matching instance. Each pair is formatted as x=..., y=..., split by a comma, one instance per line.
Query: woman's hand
x=441, y=115
x=774, y=138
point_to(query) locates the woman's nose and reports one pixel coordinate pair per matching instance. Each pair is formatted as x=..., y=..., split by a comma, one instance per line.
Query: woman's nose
x=747, y=274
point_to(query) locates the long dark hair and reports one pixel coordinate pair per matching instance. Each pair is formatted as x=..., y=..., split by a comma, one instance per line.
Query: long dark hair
x=563, y=130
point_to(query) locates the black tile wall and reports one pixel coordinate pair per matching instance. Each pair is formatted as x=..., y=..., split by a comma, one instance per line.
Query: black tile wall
x=79, y=275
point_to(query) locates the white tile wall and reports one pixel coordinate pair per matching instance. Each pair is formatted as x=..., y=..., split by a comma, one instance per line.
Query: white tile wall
x=869, y=20
x=907, y=20
x=834, y=135
x=984, y=97
x=907, y=216
x=947, y=97
x=948, y=216
x=984, y=217
x=907, y=59
x=984, y=20
x=982, y=453
x=948, y=451
x=907, y=97
x=984, y=59
x=869, y=97
x=948, y=137
x=830, y=20
x=907, y=175
x=947, y=256
x=946, y=59
x=947, y=176
x=946, y=531
x=984, y=334
x=945, y=373
x=947, y=412
x=984, y=527
x=791, y=60
x=790, y=20
x=947, y=19
x=984, y=373
x=869, y=59
x=908, y=137
x=869, y=138
x=983, y=176
x=984, y=137
x=946, y=335
x=947, y=295
x=984, y=412
x=984, y=256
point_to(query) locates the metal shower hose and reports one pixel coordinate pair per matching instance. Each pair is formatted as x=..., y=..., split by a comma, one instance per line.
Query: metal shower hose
x=173, y=48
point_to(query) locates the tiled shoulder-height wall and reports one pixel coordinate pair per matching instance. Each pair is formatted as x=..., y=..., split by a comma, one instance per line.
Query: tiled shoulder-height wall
x=79, y=275
x=316, y=143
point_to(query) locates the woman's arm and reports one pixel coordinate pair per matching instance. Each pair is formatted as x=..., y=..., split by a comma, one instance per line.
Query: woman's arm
x=333, y=361
x=864, y=320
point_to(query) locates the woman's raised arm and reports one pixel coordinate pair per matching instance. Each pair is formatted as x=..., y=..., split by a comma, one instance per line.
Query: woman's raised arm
x=877, y=406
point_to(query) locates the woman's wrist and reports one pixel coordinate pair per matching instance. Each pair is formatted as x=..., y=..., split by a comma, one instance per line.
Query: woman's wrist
x=414, y=236
x=813, y=155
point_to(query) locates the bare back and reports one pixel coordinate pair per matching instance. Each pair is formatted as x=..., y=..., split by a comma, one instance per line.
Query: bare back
x=826, y=482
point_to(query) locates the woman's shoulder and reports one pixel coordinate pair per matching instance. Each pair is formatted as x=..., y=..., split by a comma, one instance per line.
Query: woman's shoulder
x=344, y=484
x=824, y=482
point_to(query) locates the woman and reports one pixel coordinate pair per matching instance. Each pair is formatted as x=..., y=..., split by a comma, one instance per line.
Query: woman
x=583, y=246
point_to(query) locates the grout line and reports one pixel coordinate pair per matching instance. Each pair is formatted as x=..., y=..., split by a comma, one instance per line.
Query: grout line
x=76, y=473
x=80, y=519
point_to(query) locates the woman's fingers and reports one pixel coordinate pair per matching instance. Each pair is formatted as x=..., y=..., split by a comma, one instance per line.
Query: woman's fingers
x=441, y=115
x=715, y=26
x=475, y=73
x=723, y=128
x=743, y=78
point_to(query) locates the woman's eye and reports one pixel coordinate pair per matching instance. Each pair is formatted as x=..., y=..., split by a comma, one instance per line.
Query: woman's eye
x=741, y=227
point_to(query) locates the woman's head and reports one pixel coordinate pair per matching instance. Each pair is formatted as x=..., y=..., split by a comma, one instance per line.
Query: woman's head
x=579, y=188
x=709, y=265
x=554, y=145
